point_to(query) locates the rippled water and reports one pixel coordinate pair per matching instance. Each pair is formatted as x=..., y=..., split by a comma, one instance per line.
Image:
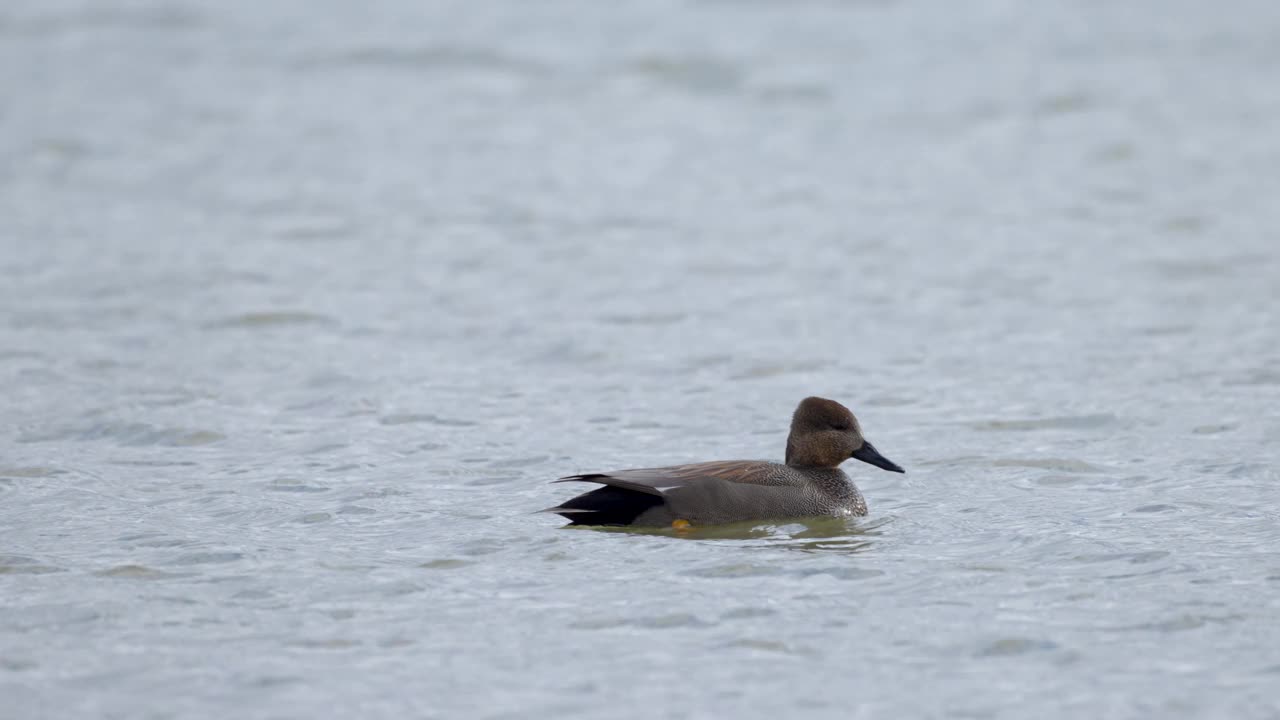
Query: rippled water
x=303, y=303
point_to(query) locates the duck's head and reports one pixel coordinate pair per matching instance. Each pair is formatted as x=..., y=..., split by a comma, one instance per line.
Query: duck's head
x=824, y=434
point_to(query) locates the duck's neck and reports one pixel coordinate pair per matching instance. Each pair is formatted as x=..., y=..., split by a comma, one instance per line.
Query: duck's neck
x=793, y=454
x=797, y=458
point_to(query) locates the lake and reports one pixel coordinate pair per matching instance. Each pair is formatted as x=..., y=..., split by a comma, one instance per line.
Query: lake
x=304, y=304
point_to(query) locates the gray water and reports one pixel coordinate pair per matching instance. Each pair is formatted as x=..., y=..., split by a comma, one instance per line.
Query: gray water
x=302, y=304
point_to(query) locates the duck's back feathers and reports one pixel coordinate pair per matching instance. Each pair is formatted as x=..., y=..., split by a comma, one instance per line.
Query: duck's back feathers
x=706, y=493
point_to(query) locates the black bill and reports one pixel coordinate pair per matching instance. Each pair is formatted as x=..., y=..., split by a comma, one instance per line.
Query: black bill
x=868, y=454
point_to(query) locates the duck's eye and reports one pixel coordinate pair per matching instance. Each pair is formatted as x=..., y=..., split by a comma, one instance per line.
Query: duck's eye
x=841, y=428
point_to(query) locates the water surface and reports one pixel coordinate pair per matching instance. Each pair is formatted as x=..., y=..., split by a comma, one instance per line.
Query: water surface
x=303, y=303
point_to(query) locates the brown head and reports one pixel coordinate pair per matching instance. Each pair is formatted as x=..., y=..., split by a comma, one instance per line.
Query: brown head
x=824, y=434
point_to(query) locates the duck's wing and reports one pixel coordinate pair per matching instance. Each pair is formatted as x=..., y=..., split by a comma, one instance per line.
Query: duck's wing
x=658, y=481
x=714, y=492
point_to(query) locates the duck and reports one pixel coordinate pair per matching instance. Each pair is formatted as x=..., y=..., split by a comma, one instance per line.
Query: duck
x=809, y=483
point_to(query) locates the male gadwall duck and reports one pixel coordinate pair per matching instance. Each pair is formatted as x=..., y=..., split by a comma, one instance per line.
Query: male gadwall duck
x=823, y=434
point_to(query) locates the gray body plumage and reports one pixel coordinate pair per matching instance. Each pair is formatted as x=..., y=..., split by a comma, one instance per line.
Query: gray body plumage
x=721, y=492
